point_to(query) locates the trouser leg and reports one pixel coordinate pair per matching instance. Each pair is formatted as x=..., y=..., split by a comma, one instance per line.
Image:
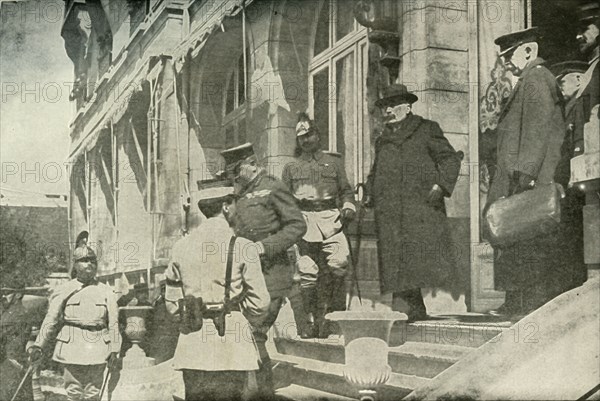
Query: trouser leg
x=213, y=386
x=309, y=271
x=264, y=375
x=83, y=382
x=414, y=306
x=335, y=253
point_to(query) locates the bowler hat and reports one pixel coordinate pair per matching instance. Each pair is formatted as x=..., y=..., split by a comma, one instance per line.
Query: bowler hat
x=511, y=41
x=567, y=67
x=233, y=156
x=83, y=252
x=396, y=94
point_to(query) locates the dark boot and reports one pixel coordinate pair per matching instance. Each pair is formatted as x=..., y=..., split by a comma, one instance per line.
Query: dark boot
x=414, y=300
x=513, y=304
x=309, y=328
x=264, y=381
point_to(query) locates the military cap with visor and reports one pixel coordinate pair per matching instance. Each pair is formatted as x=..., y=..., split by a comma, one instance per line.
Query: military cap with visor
x=509, y=42
x=234, y=156
x=589, y=13
x=567, y=67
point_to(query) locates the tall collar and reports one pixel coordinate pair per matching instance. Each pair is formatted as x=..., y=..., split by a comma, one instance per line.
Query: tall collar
x=312, y=156
x=252, y=184
x=536, y=62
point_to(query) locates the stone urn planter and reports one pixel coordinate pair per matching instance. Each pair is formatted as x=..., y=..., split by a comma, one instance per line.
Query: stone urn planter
x=366, y=335
x=135, y=331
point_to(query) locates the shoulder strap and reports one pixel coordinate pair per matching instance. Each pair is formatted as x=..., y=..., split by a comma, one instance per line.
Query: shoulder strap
x=229, y=268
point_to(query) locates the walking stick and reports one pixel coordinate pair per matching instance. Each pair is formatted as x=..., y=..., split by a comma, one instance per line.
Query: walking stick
x=354, y=255
x=23, y=380
x=105, y=382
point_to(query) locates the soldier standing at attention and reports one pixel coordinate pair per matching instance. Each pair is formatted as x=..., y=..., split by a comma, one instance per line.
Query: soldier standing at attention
x=82, y=316
x=228, y=292
x=318, y=181
x=267, y=214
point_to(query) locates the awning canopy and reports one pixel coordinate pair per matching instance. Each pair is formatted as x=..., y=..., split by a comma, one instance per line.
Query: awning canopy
x=116, y=108
x=198, y=37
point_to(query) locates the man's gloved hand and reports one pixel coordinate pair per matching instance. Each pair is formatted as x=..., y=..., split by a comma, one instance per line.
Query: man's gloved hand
x=112, y=359
x=348, y=215
x=436, y=195
x=34, y=353
x=368, y=202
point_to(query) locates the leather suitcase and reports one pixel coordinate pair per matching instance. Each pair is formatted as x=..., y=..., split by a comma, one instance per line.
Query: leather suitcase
x=524, y=216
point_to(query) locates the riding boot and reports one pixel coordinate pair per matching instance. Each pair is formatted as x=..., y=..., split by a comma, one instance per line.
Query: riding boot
x=309, y=328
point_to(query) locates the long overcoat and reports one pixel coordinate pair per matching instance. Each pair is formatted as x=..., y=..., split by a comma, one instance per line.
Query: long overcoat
x=531, y=131
x=413, y=237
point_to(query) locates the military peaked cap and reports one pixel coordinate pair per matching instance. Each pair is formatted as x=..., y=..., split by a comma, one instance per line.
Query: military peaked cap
x=511, y=41
x=237, y=154
x=567, y=67
x=589, y=13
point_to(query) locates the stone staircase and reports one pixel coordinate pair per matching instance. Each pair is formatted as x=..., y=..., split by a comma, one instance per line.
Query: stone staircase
x=418, y=352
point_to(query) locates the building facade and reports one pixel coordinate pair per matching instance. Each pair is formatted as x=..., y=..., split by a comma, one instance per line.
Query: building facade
x=162, y=86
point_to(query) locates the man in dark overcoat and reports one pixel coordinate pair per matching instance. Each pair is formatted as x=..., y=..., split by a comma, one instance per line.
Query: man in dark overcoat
x=531, y=130
x=415, y=168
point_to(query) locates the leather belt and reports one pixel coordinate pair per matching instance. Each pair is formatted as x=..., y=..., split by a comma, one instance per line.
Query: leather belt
x=309, y=205
x=211, y=313
x=90, y=327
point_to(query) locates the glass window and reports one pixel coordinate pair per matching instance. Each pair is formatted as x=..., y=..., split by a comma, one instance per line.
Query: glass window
x=240, y=73
x=344, y=18
x=322, y=31
x=321, y=95
x=234, y=123
x=345, y=129
x=229, y=103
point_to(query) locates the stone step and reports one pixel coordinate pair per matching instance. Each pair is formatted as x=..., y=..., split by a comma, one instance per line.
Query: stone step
x=328, y=376
x=447, y=332
x=411, y=358
x=300, y=393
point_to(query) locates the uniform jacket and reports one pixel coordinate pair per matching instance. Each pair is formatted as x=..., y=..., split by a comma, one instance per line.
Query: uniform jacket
x=573, y=142
x=413, y=236
x=589, y=93
x=74, y=308
x=531, y=129
x=321, y=176
x=267, y=212
x=199, y=261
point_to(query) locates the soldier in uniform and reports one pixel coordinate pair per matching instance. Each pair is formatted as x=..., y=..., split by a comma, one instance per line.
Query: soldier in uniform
x=318, y=181
x=568, y=75
x=531, y=130
x=17, y=325
x=214, y=364
x=267, y=214
x=82, y=317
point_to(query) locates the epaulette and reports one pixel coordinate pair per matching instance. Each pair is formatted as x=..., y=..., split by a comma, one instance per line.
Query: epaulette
x=329, y=152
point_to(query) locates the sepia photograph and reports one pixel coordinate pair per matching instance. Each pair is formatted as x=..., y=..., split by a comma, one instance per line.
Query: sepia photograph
x=299, y=200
